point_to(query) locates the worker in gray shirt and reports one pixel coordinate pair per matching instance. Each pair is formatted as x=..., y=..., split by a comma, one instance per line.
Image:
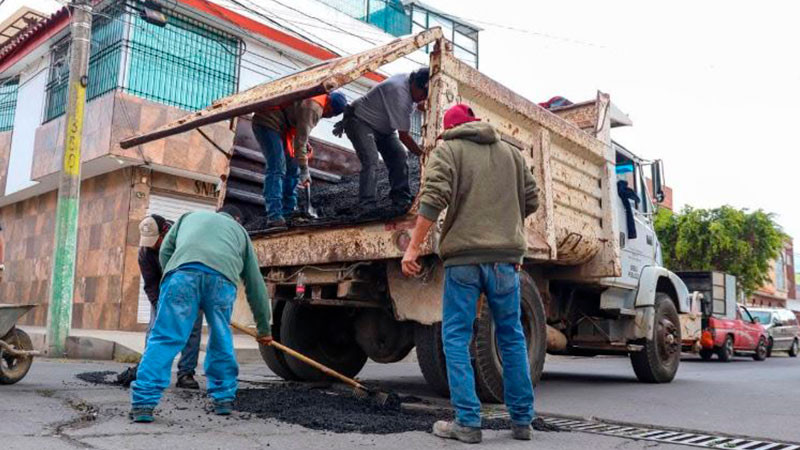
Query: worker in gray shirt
x=379, y=122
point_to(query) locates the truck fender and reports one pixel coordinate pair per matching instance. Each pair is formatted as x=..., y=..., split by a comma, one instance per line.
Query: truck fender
x=658, y=279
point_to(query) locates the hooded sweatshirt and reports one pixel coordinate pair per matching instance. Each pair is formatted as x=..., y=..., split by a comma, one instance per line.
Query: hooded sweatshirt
x=488, y=191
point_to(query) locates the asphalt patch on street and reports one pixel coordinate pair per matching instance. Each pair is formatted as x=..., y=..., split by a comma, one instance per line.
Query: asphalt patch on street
x=338, y=204
x=324, y=410
x=105, y=377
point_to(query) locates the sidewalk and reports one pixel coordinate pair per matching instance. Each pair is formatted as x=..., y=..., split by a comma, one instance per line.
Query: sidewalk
x=127, y=346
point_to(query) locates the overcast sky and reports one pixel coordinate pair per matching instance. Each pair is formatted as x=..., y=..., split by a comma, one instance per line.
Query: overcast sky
x=712, y=87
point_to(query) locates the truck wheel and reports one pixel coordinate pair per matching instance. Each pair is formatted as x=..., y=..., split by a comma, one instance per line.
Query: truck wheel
x=275, y=359
x=324, y=334
x=430, y=357
x=658, y=361
x=706, y=354
x=794, y=349
x=725, y=352
x=12, y=368
x=761, y=350
x=488, y=362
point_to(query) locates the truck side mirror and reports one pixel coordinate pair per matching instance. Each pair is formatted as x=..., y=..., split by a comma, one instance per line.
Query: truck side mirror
x=657, y=175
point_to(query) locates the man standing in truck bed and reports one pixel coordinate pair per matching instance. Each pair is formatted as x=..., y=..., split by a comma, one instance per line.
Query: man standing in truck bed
x=488, y=192
x=379, y=122
x=204, y=255
x=282, y=132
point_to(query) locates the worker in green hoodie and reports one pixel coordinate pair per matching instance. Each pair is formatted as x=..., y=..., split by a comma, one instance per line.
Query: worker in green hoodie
x=203, y=256
x=488, y=192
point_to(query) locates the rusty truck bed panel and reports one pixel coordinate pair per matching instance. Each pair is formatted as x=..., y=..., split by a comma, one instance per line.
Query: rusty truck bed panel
x=572, y=226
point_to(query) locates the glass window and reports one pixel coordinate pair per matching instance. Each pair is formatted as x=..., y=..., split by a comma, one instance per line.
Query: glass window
x=466, y=42
x=780, y=273
x=439, y=21
x=183, y=64
x=108, y=31
x=764, y=317
x=8, y=102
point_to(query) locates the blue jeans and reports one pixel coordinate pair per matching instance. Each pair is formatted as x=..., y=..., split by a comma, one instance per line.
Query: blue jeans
x=463, y=285
x=188, y=362
x=281, y=176
x=183, y=293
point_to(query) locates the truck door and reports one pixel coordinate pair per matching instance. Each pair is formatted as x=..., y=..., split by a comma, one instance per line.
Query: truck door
x=637, y=238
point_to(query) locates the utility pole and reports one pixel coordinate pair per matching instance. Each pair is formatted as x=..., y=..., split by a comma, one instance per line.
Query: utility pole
x=62, y=284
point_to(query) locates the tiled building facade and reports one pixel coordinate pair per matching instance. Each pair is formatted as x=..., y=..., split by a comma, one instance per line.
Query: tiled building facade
x=141, y=75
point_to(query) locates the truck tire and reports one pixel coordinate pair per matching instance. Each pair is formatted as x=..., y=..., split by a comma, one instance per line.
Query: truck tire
x=324, y=334
x=487, y=360
x=794, y=349
x=761, y=350
x=275, y=359
x=659, y=360
x=725, y=353
x=430, y=357
x=13, y=369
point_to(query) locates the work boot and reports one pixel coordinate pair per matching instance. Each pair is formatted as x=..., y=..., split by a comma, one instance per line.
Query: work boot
x=452, y=430
x=521, y=432
x=187, y=382
x=274, y=225
x=223, y=408
x=141, y=415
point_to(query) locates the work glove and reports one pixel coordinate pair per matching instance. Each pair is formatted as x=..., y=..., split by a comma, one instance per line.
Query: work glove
x=338, y=128
x=305, y=176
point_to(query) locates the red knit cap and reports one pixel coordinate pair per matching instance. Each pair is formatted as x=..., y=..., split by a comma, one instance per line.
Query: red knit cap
x=457, y=115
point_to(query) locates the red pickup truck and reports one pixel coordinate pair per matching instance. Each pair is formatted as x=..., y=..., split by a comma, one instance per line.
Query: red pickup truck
x=727, y=337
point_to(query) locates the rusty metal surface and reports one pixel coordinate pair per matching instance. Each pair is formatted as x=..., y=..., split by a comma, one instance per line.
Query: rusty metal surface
x=572, y=227
x=324, y=77
x=320, y=246
x=417, y=299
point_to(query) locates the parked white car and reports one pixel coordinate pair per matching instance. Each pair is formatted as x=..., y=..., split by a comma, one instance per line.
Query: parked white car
x=782, y=327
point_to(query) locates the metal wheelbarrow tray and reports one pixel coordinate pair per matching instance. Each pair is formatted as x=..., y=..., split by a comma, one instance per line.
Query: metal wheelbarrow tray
x=16, y=349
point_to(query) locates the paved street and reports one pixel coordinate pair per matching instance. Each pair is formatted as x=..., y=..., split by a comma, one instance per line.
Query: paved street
x=52, y=409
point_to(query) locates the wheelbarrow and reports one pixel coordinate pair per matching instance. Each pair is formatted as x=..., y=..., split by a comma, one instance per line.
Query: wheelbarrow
x=16, y=349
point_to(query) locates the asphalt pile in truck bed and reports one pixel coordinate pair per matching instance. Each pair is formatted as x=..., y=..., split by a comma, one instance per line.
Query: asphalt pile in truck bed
x=337, y=203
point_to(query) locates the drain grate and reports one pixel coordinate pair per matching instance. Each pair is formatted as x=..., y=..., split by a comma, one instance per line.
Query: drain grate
x=677, y=437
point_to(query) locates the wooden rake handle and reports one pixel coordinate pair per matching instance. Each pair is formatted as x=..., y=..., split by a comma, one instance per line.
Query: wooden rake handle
x=322, y=368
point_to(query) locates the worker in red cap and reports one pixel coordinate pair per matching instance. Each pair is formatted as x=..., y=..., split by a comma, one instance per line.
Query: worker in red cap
x=488, y=191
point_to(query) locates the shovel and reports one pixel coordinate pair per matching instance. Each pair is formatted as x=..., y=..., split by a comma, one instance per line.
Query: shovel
x=359, y=390
x=310, y=212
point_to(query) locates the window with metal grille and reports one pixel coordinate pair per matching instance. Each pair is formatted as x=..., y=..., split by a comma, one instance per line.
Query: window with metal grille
x=8, y=102
x=388, y=15
x=463, y=36
x=184, y=63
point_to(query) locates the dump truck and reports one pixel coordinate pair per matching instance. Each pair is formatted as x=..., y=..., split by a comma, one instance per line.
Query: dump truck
x=592, y=279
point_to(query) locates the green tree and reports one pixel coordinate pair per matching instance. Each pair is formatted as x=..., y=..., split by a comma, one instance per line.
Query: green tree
x=736, y=241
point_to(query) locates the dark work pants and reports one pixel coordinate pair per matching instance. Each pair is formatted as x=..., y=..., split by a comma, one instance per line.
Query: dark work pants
x=368, y=143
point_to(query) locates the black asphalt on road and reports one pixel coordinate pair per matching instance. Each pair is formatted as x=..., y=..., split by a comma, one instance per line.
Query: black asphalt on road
x=742, y=397
x=51, y=409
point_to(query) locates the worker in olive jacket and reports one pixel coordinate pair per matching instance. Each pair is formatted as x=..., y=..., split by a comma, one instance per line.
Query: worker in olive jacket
x=488, y=192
